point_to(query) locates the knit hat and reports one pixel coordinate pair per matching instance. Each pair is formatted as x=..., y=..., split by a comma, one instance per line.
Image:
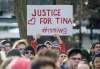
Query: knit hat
x=19, y=63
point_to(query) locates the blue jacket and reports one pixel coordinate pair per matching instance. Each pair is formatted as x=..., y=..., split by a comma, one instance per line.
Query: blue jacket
x=63, y=67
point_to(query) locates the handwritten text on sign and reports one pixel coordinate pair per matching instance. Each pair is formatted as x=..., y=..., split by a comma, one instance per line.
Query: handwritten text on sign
x=49, y=19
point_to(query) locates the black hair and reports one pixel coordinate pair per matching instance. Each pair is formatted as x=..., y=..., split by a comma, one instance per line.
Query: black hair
x=13, y=52
x=40, y=47
x=74, y=51
x=3, y=42
x=29, y=48
x=30, y=37
x=94, y=44
x=86, y=55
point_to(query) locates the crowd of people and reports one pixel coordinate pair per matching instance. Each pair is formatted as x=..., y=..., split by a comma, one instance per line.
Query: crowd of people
x=28, y=54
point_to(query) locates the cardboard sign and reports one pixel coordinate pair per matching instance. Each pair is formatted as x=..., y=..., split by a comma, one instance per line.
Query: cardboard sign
x=49, y=19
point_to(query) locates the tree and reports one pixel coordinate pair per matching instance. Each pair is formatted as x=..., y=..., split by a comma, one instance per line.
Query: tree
x=61, y=2
x=21, y=14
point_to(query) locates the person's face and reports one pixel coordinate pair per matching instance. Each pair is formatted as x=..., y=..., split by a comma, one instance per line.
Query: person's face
x=97, y=48
x=21, y=47
x=7, y=47
x=97, y=63
x=48, y=46
x=74, y=60
x=29, y=54
x=62, y=57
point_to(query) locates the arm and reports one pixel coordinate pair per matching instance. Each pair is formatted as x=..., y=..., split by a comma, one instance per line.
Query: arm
x=34, y=41
x=58, y=38
x=61, y=43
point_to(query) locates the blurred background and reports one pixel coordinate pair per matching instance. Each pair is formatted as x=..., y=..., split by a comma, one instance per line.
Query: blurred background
x=86, y=20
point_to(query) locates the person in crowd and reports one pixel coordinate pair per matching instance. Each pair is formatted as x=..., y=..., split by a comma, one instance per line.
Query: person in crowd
x=6, y=62
x=2, y=56
x=57, y=44
x=86, y=56
x=92, y=51
x=96, y=48
x=2, y=47
x=32, y=41
x=83, y=65
x=48, y=44
x=61, y=58
x=14, y=52
x=6, y=45
x=96, y=61
x=48, y=53
x=43, y=63
x=74, y=57
x=61, y=44
x=19, y=63
x=40, y=47
x=20, y=45
x=29, y=52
